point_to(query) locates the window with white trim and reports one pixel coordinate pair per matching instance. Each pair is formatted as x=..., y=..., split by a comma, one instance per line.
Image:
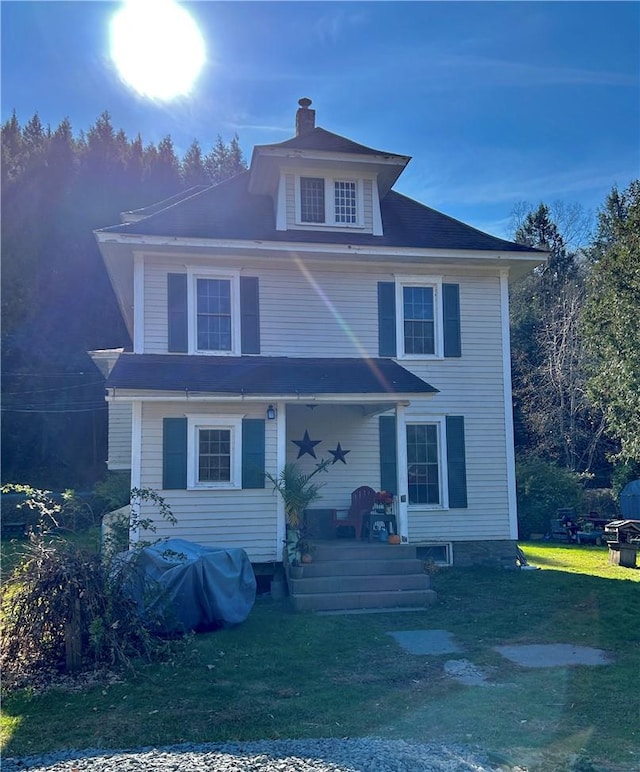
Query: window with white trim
x=312, y=208
x=213, y=314
x=214, y=451
x=419, y=324
x=424, y=468
x=345, y=202
x=214, y=321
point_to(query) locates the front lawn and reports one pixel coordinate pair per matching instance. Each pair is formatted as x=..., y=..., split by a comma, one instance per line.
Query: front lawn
x=301, y=675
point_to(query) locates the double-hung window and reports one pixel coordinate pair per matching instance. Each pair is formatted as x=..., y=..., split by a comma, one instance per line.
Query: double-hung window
x=423, y=464
x=419, y=326
x=214, y=458
x=419, y=320
x=213, y=314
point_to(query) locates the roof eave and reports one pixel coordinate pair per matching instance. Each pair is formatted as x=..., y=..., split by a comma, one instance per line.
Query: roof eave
x=117, y=394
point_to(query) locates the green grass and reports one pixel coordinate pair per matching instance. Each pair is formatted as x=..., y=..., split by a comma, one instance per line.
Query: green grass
x=300, y=675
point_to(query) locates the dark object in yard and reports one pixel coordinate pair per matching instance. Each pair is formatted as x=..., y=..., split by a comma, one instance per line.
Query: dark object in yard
x=630, y=500
x=183, y=586
x=582, y=529
x=624, y=540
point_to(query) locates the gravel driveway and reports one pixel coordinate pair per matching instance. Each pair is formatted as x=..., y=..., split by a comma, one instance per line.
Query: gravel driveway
x=347, y=755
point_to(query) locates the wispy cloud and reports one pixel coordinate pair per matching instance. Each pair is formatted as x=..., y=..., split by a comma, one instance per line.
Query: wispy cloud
x=482, y=70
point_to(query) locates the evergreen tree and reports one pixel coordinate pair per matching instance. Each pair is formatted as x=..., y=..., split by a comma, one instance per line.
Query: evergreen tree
x=192, y=169
x=611, y=318
x=223, y=161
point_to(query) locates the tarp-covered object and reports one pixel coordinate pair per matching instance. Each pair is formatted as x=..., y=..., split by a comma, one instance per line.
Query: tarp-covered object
x=630, y=500
x=183, y=586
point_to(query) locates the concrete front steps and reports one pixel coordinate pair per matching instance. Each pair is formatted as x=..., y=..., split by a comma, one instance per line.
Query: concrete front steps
x=350, y=575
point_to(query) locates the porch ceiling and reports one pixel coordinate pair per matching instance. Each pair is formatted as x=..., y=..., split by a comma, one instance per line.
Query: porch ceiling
x=271, y=377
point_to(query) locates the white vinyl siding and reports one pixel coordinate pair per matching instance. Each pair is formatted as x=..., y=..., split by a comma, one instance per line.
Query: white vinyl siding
x=315, y=310
x=119, y=448
x=223, y=518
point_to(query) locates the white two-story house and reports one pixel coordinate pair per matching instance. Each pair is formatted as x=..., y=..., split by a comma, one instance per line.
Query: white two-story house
x=305, y=310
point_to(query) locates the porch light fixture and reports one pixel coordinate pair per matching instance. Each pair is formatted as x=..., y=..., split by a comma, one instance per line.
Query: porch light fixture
x=271, y=412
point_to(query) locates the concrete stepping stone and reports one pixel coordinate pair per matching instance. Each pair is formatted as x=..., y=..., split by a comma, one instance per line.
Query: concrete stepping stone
x=426, y=641
x=553, y=655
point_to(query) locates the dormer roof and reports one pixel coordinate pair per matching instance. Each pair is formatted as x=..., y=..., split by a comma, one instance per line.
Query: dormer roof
x=319, y=147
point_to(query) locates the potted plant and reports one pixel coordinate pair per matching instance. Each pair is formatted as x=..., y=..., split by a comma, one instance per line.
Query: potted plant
x=298, y=490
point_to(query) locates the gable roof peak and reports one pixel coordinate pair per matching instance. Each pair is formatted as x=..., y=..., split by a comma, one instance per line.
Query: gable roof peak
x=305, y=118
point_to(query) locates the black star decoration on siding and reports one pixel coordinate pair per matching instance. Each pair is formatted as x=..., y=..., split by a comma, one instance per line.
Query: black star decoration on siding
x=339, y=454
x=306, y=445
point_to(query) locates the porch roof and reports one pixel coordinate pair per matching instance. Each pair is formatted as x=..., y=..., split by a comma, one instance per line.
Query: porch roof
x=268, y=376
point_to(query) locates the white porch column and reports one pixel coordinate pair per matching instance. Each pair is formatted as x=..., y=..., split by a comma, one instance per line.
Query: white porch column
x=136, y=457
x=401, y=445
x=281, y=460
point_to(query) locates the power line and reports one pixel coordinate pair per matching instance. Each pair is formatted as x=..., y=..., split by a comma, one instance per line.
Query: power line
x=53, y=388
x=53, y=411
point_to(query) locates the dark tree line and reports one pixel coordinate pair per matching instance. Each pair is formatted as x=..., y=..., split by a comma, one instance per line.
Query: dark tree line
x=575, y=339
x=57, y=302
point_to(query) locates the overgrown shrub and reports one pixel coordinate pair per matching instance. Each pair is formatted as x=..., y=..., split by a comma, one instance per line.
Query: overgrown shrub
x=64, y=608
x=542, y=489
x=111, y=493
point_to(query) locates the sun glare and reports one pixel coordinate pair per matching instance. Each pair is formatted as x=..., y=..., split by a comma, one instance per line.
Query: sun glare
x=157, y=48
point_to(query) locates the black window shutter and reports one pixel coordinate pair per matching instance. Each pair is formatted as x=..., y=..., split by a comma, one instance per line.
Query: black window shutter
x=456, y=464
x=174, y=453
x=177, y=312
x=388, y=463
x=386, y=319
x=451, y=317
x=253, y=453
x=250, y=315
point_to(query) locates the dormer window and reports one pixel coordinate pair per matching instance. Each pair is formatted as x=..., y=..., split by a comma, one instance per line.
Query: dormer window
x=345, y=201
x=312, y=199
x=329, y=201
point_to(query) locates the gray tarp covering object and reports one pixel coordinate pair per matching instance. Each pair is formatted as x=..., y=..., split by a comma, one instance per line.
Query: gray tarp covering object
x=630, y=500
x=184, y=586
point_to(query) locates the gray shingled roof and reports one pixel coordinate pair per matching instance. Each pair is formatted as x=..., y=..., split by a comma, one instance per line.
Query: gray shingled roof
x=321, y=139
x=229, y=211
x=268, y=376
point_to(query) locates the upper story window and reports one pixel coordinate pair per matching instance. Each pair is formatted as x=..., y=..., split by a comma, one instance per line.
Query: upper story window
x=419, y=320
x=345, y=200
x=213, y=314
x=419, y=325
x=312, y=208
x=329, y=201
x=214, y=319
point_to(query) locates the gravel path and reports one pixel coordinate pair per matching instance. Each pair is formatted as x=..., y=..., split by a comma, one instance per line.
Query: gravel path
x=349, y=755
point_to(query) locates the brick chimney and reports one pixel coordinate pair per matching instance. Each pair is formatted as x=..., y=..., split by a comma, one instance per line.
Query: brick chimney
x=305, y=118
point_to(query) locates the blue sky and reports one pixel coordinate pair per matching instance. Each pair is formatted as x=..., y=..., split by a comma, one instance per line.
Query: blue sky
x=496, y=102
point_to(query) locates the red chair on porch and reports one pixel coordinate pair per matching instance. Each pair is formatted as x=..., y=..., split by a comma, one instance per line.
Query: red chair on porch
x=362, y=500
